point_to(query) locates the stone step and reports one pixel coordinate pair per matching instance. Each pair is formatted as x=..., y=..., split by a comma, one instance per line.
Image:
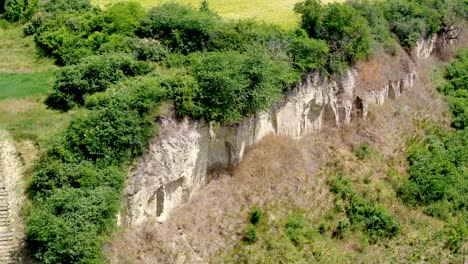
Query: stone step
x=6, y=238
x=7, y=242
x=4, y=235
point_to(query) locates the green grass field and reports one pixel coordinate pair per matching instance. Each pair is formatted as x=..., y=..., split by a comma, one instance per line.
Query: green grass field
x=279, y=12
x=17, y=85
x=25, y=79
x=18, y=54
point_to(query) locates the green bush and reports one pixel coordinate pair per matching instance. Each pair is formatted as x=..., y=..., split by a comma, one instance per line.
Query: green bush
x=250, y=236
x=295, y=228
x=374, y=13
x=179, y=27
x=308, y=54
x=234, y=85
x=148, y=49
x=362, y=151
x=93, y=74
x=341, y=26
x=67, y=228
x=121, y=18
x=75, y=34
x=437, y=171
x=457, y=233
x=113, y=133
x=410, y=20
x=342, y=228
x=373, y=218
x=456, y=89
x=242, y=35
x=376, y=220
x=14, y=9
x=255, y=216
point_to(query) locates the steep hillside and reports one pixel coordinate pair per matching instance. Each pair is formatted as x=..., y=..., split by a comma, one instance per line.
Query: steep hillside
x=293, y=188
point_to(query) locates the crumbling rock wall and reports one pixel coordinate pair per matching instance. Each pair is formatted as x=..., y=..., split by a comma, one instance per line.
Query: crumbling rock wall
x=180, y=158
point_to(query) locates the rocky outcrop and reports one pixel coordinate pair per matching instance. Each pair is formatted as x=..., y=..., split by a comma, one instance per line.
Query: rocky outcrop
x=178, y=162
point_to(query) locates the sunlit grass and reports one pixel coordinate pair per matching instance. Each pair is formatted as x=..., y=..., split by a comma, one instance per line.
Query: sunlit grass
x=18, y=54
x=279, y=12
x=16, y=85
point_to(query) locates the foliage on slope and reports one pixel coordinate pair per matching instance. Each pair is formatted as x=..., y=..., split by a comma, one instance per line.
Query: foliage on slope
x=438, y=172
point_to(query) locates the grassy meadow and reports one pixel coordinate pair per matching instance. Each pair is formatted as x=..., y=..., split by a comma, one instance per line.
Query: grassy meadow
x=271, y=11
x=25, y=79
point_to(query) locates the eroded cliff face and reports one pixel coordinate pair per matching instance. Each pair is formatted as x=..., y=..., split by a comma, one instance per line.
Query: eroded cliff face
x=181, y=157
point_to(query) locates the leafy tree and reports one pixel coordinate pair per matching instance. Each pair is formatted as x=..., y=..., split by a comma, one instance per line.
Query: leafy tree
x=233, y=85
x=179, y=27
x=14, y=9
x=407, y=19
x=341, y=26
x=308, y=54
x=93, y=74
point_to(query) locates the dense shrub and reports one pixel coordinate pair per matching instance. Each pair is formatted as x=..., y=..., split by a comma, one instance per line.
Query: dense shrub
x=57, y=6
x=73, y=35
x=68, y=227
x=342, y=228
x=242, y=35
x=234, y=85
x=256, y=215
x=76, y=190
x=14, y=9
x=374, y=13
x=457, y=233
x=148, y=49
x=341, y=26
x=456, y=89
x=308, y=54
x=438, y=171
x=407, y=21
x=251, y=235
x=93, y=74
x=295, y=228
x=376, y=220
x=179, y=27
x=114, y=133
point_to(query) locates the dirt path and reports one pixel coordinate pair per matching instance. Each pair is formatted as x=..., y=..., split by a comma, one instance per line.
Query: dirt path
x=11, y=198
